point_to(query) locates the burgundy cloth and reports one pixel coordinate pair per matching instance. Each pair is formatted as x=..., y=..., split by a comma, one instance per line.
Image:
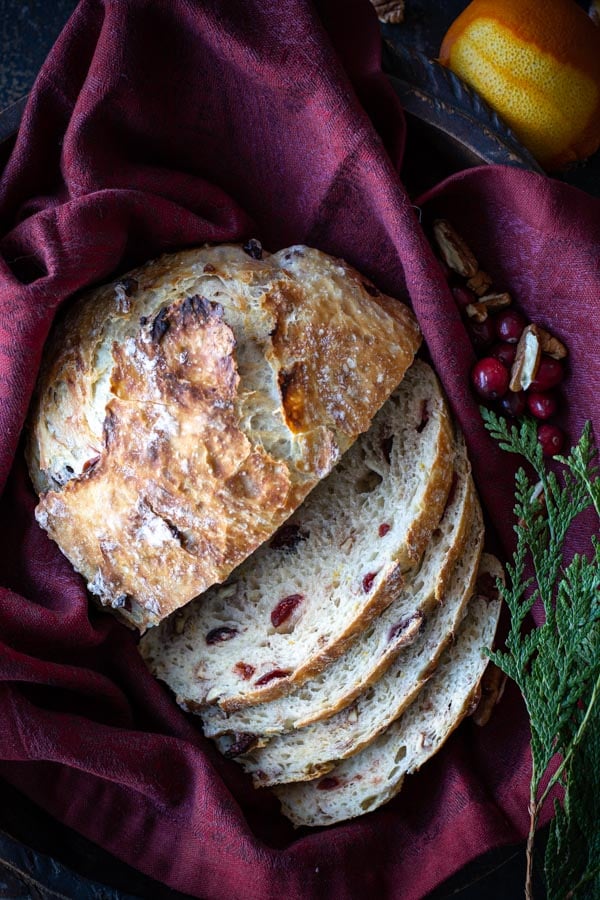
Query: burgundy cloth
x=158, y=125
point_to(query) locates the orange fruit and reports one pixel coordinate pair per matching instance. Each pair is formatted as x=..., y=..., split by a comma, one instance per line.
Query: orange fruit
x=537, y=63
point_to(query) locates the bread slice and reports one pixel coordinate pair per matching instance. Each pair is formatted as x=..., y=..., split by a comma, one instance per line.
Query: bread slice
x=185, y=410
x=311, y=752
x=370, y=778
x=376, y=648
x=340, y=560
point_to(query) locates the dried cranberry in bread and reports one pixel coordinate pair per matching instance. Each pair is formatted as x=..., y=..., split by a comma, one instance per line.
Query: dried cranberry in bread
x=185, y=410
x=284, y=616
x=370, y=778
x=310, y=752
x=380, y=643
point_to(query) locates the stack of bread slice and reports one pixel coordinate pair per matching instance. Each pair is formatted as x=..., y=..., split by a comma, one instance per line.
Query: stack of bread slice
x=339, y=656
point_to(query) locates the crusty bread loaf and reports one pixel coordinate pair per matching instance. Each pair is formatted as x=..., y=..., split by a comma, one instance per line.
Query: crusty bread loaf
x=285, y=616
x=185, y=410
x=370, y=778
x=376, y=648
x=313, y=751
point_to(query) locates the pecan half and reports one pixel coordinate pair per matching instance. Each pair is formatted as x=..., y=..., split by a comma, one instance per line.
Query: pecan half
x=479, y=310
x=455, y=252
x=480, y=282
x=527, y=360
x=391, y=11
x=551, y=345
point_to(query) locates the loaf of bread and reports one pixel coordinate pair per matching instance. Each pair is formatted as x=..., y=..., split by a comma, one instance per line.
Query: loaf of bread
x=195, y=432
x=285, y=616
x=371, y=777
x=376, y=648
x=312, y=751
x=332, y=644
x=185, y=410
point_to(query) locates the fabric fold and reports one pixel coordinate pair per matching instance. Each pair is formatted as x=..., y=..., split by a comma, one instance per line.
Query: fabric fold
x=159, y=125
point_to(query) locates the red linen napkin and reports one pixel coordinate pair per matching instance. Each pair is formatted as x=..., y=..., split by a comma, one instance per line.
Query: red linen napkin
x=158, y=125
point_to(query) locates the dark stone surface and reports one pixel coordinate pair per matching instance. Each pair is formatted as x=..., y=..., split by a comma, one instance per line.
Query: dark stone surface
x=37, y=853
x=28, y=28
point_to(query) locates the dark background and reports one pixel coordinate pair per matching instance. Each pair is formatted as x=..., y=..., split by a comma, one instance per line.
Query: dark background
x=39, y=858
x=28, y=28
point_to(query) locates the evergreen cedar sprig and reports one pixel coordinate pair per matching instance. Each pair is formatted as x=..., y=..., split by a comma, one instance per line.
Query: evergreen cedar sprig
x=557, y=665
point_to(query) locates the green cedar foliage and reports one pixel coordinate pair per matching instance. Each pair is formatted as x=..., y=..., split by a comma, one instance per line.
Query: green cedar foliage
x=557, y=665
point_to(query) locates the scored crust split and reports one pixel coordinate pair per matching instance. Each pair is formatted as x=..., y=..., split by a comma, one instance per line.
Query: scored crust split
x=285, y=616
x=375, y=775
x=379, y=644
x=185, y=410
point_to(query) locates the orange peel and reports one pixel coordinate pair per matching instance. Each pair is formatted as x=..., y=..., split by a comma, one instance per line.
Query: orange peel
x=538, y=65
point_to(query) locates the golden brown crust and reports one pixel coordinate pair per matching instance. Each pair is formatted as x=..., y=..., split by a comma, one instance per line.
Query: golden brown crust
x=436, y=495
x=462, y=528
x=185, y=411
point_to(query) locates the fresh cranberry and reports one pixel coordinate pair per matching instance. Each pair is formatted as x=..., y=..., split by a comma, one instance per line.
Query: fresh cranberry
x=513, y=403
x=490, y=378
x=482, y=334
x=542, y=406
x=549, y=374
x=510, y=325
x=551, y=438
x=463, y=296
x=504, y=352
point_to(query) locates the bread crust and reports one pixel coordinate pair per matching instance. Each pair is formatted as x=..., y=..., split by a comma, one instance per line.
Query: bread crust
x=186, y=409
